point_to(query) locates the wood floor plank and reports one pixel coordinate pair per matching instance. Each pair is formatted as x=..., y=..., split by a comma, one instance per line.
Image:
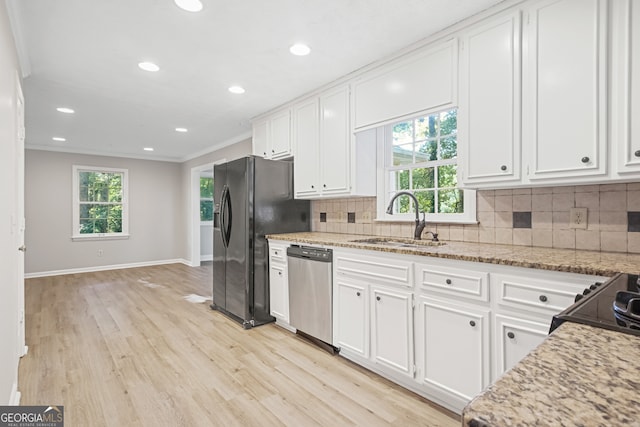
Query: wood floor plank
x=124, y=347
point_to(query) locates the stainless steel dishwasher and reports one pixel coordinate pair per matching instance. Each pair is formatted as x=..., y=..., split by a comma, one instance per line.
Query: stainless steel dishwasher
x=310, y=292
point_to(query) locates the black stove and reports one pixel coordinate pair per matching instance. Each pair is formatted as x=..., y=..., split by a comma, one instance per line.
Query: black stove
x=614, y=305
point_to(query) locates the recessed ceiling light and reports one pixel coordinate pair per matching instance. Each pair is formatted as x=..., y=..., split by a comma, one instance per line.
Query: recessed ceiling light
x=148, y=66
x=189, y=5
x=65, y=110
x=300, y=49
x=59, y=139
x=236, y=89
x=148, y=149
x=181, y=130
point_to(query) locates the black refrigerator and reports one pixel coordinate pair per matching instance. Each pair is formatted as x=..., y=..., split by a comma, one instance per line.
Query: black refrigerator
x=253, y=197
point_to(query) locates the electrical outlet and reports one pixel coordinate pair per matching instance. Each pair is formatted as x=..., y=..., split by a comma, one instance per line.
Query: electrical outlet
x=366, y=217
x=578, y=218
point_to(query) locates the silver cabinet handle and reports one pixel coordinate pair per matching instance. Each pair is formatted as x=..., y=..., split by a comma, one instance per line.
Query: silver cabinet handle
x=22, y=248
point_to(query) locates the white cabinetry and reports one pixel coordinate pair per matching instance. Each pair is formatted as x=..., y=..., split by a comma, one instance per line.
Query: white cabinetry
x=351, y=314
x=565, y=89
x=625, y=132
x=306, y=136
x=272, y=136
x=330, y=161
x=489, y=109
x=452, y=348
x=452, y=329
x=278, y=282
x=443, y=328
x=392, y=329
x=424, y=80
x=524, y=302
x=373, y=311
x=335, y=142
x=514, y=339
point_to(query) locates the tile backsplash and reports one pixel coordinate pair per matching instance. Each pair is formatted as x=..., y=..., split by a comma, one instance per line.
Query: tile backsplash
x=525, y=216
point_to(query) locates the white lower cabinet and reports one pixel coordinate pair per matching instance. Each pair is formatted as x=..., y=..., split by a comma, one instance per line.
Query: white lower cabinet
x=278, y=282
x=452, y=349
x=514, y=339
x=442, y=328
x=392, y=329
x=351, y=317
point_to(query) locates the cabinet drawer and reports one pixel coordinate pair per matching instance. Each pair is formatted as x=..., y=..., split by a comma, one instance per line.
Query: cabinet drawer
x=278, y=254
x=459, y=282
x=545, y=296
x=374, y=269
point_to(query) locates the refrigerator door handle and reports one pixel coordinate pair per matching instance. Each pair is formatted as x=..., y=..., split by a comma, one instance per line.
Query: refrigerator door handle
x=228, y=216
x=223, y=215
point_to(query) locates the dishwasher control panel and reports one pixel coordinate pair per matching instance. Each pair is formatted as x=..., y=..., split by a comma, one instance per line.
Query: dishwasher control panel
x=309, y=252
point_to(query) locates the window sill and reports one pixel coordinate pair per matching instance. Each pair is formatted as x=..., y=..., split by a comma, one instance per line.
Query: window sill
x=82, y=238
x=413, y=221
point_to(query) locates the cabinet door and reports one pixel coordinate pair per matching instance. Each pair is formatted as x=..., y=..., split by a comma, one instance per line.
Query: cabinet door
x=260, y=132
x=280, y=135
x=335, y=141
x=453, y=350
x=279, y=291
x=565, y=88
x=514, y=339
x=392, y=330
x=351, y=317
x=489, y=113
x=425, y=80
x=625, y=134
x=306, y=139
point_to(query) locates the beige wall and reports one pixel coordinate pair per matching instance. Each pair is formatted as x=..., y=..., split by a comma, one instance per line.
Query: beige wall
x=9, y=291
x=607, y=229
x=155, y=214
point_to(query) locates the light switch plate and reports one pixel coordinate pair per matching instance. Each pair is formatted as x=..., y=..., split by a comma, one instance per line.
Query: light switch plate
x=578, y=218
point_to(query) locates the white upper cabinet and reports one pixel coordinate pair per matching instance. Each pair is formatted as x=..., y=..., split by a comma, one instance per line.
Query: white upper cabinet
x=489, y=109
x=272, y=136
x=306, y=136
x=330, y=161
x=335, y=141
x=260, y=136
x=565, y=89
x=626, y=87
x=425, y=80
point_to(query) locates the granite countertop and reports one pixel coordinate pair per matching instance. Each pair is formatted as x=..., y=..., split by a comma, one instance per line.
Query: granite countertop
x=568, y=260
x=580, y=375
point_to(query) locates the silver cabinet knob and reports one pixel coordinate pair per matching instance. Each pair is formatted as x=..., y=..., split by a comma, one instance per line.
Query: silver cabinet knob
x=503, y=167
x=585, y=159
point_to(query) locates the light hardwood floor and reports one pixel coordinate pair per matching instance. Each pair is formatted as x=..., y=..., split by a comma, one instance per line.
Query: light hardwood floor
x=123, y=348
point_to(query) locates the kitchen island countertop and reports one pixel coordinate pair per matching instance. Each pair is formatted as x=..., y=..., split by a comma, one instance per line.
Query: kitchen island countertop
x=568, y=260
x=580, y=375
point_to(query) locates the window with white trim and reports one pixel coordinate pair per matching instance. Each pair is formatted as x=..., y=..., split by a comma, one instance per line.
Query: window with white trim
x=206, y=199
x=421, y=157
x=100, y=202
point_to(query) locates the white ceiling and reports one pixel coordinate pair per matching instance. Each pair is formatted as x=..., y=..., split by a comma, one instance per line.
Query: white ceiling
x=83, y=54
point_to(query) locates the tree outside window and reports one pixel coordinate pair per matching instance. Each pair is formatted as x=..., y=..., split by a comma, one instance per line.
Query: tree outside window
x=421, y=158
x=206, y=199
x=100, y=202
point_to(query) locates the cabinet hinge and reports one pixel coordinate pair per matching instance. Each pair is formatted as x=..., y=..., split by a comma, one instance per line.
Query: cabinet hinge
x=413, y=302
x=415, y=371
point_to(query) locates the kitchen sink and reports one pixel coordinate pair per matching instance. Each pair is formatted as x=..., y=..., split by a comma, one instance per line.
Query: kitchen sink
x=397, y=242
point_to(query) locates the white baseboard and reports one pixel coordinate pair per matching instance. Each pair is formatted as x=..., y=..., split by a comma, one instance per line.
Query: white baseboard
x=14, y=399
x=105, y=268
x=25, y=350
x=206, y=257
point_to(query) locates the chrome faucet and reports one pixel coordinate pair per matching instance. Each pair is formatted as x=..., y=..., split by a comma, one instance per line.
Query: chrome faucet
x=419, y=224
